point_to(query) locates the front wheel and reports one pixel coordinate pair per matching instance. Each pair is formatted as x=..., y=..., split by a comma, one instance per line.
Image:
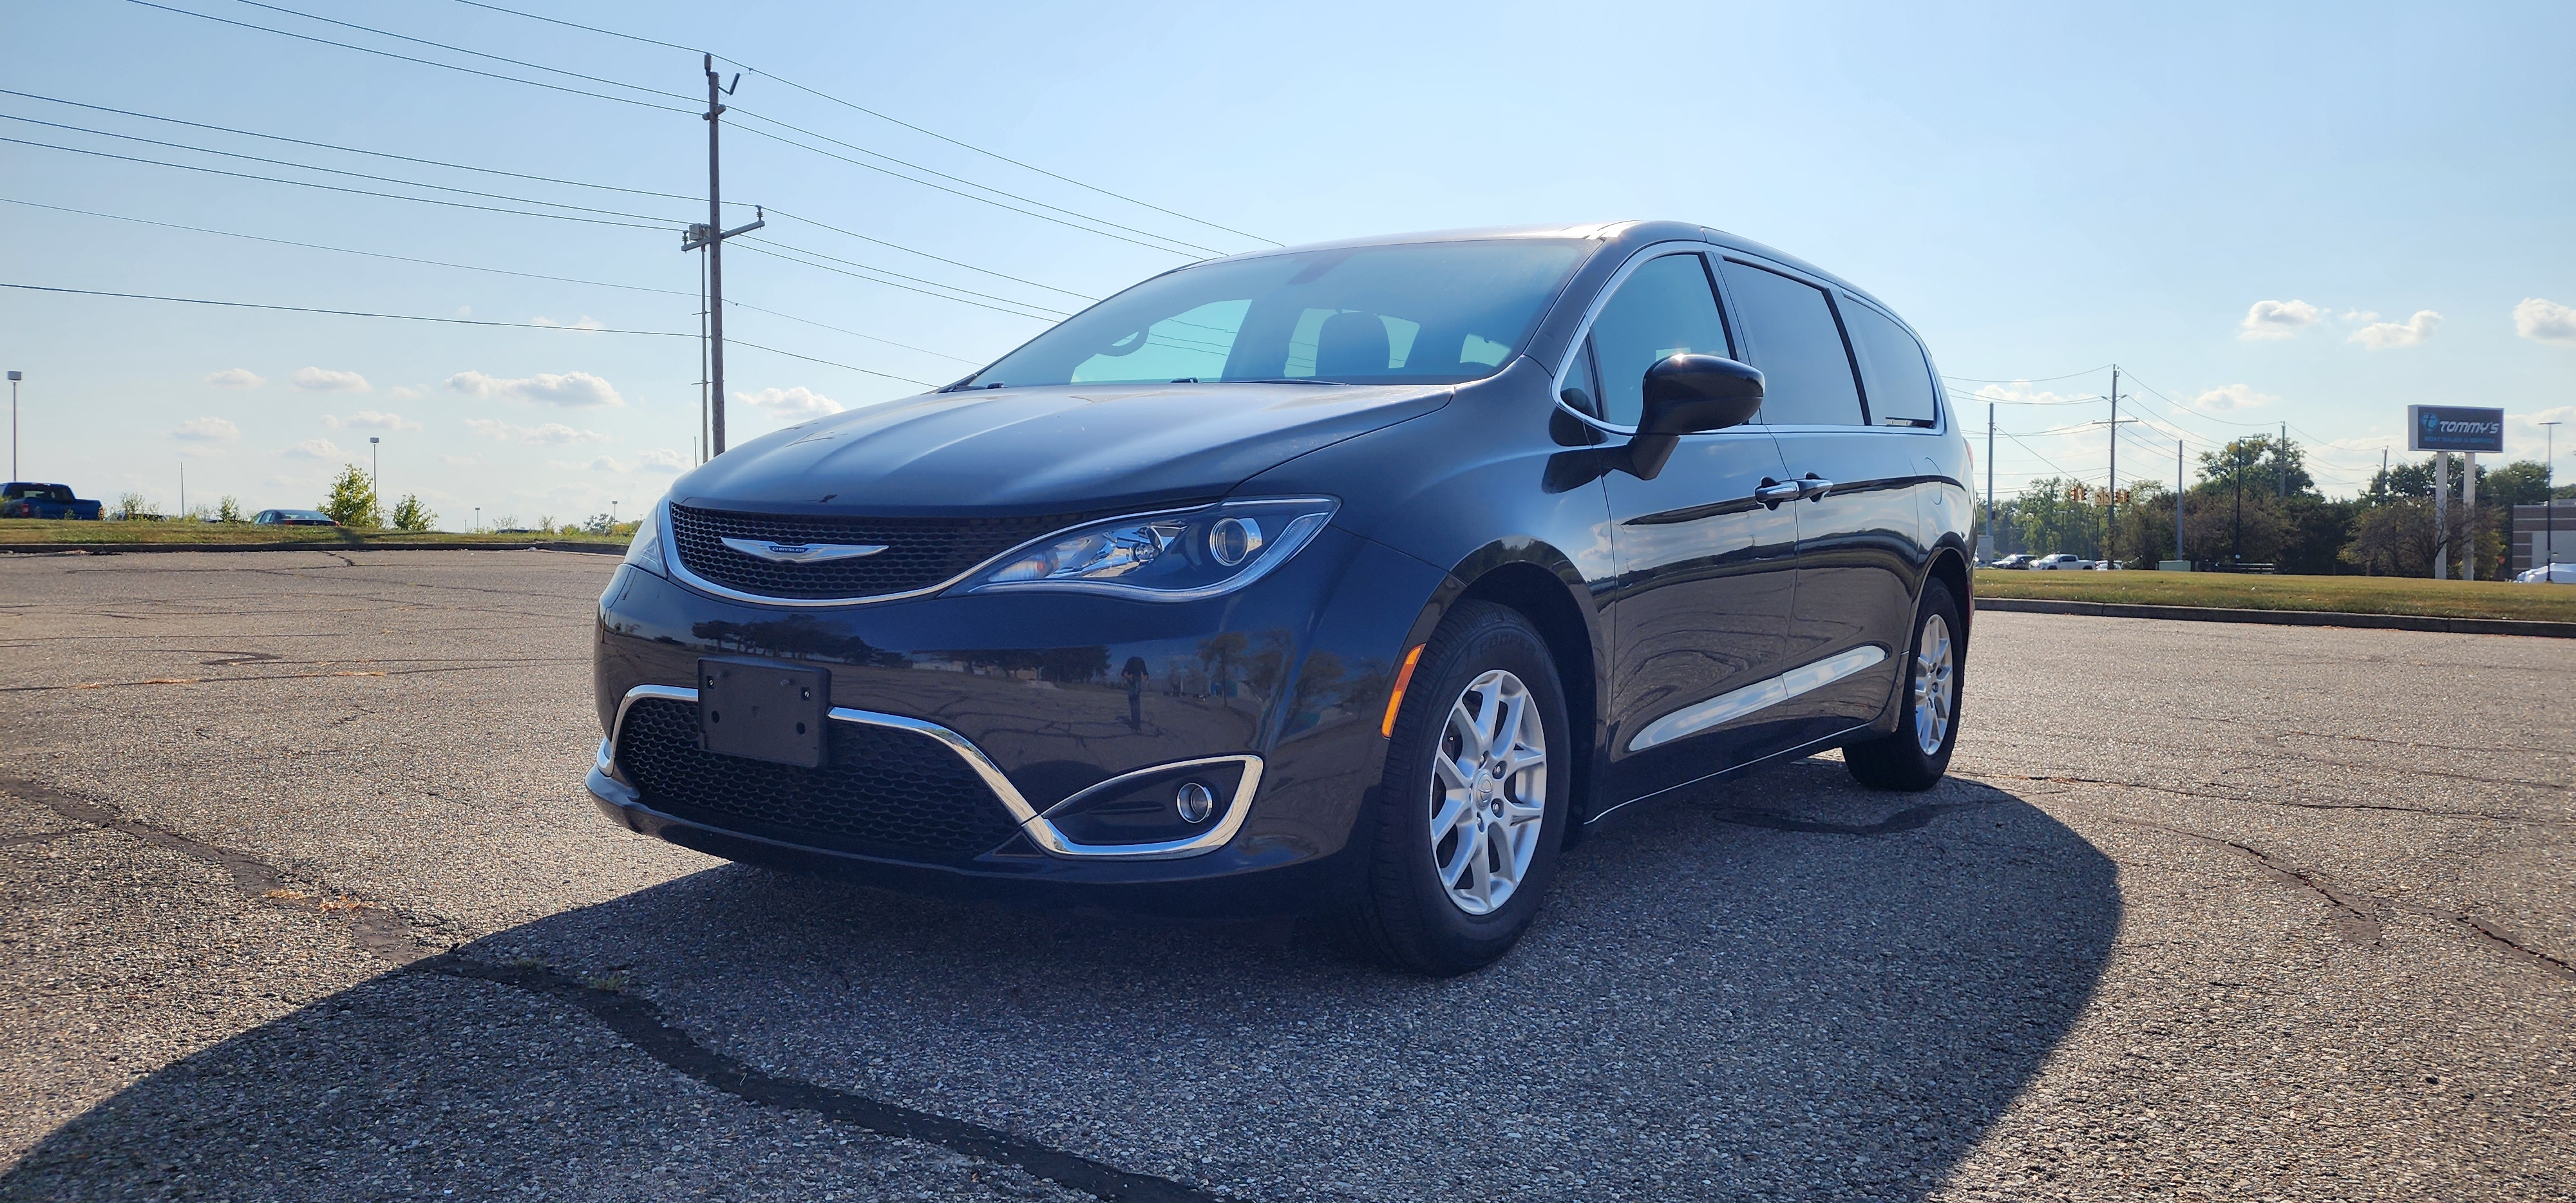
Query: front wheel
x=1473, y=806
x=1917, y=753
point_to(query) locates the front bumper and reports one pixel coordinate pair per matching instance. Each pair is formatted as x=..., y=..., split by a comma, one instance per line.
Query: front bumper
x=1045, y=697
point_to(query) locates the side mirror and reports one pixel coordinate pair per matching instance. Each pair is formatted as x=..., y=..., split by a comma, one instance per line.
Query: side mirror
x=1690, y=394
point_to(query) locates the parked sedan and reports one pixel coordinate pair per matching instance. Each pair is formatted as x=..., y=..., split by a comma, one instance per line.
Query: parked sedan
x=294, y=518
x=28, y=499
x=1357, y=578
x=2061, y=562
x=2551, y=574
x=2017, y=560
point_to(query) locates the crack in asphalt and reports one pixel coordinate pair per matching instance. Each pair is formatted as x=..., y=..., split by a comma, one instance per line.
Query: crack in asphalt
x=2357, y=916
x=2289, y=803
x=379, y=931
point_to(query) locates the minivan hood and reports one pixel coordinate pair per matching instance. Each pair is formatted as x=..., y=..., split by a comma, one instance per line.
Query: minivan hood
x=1055, y=450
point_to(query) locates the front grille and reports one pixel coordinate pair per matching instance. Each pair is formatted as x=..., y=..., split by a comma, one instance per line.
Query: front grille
x=919, y=552
x=880, y=792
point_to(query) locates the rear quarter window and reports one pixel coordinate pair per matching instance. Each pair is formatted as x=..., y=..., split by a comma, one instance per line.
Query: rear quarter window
x=1893, y=368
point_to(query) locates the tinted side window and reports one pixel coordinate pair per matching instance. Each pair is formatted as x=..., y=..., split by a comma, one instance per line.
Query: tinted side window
x=1665, y=308
x=1790, y=325
x=1892, y=366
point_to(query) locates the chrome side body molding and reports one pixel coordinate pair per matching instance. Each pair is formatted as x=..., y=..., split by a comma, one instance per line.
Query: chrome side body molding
x=1760, y=695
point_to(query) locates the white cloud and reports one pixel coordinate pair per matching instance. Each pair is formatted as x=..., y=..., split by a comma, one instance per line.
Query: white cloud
x=2544, y=321
x=318, y=449
x=368, y=419
x=459, y=461
x=586, y=323
x=662, y=461
x=552, y=433
x=324, y=380
x=404, y=392
x=246, y=378
x=2232, y=396
x=206, y=430
x=2361, y=315
x=797, y=402
x=2277, y=319
x=571, y=389
x=2379, y=336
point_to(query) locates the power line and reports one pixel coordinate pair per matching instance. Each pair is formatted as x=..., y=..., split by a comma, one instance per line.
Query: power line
x=426, y=200
x=771, y=242
x=786, y=141
x=778, y=212
x=2030, y=379
x=409, y=59
x=510, y=174
x=747, y=245
x=381, y=179
x=315, y=246
x=854, y=334
x=381, y=154
x=969, y=183
x=675, y=96
x=451, y=321
x=500, y=271
x=476, y=53
x=400, y=317
x=882, y=117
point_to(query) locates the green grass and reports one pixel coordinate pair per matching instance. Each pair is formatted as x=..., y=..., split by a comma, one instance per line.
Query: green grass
x=2347, y=594
x=24, y=532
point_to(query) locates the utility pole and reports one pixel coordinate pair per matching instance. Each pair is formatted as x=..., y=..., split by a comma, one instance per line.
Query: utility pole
x=2179, y=554
x=183, y=490
x=711, y=236
x=2111, y=518
x=2548, y=511
x=15, y=377
x=1990, y=471
x=2236, y=542
x=2281, y=462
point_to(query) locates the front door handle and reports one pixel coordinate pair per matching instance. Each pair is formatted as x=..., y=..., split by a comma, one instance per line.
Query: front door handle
x=1773, y=492
x=1813, y=487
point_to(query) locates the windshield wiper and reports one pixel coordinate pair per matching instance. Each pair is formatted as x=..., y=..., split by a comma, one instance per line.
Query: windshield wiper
x=1293, y=380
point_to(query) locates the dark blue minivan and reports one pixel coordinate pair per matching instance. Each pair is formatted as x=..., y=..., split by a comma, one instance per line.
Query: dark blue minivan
x=1360, y=578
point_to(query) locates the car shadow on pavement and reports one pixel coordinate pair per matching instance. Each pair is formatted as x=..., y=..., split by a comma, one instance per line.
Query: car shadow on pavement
x=1783, y=987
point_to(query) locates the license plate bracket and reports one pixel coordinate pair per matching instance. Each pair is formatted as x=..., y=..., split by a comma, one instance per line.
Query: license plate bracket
x=763, y=710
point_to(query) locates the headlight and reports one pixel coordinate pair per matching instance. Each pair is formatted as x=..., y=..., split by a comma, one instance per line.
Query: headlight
x=1181, y=556
x=645, y=550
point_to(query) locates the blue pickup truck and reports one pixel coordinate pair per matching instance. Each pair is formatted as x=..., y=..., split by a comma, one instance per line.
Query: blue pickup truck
x=27, y=499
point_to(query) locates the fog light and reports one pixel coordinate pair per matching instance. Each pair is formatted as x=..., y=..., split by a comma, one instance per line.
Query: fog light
x=1193, y=802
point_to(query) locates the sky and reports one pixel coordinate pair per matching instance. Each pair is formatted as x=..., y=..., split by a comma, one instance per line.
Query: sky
x=2305, y=214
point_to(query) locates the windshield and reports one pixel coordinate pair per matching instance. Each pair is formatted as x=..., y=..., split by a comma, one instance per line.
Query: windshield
x=1423, y=313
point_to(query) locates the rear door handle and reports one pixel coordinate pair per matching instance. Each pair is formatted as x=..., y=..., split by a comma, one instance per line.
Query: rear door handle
x=1773, y=492
x=1813, y=487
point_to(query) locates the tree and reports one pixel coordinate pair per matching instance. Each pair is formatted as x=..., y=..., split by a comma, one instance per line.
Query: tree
x=2051, y=522
x=2522, y=482
x=2261, y=462
x=229, y=509
x=134, y=507
x=353, y=500
x=2395, y=538
x=411, y=515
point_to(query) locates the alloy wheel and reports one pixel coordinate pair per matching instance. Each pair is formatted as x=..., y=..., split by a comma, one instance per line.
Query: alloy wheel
x=1488, y=792
x=1935, y=685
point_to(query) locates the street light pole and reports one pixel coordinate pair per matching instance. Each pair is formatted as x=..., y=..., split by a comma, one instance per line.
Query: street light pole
x=14, y=378
x=372, y=440
x=2548, y=485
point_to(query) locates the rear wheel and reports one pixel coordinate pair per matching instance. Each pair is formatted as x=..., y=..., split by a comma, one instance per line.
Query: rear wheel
x=1473, y=805
x=1917, y=753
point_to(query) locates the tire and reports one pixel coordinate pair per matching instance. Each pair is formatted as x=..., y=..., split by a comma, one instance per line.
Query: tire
x=1483, y=661
x=1917, y=753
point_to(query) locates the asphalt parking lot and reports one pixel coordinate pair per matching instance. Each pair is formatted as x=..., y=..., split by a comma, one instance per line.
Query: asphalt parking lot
x=306, y=901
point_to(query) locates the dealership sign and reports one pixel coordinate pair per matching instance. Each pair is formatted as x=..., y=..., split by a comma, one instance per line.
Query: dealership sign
x=2451, y=428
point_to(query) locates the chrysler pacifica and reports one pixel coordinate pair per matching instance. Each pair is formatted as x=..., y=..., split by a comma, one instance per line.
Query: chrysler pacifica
x=1359, y=578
